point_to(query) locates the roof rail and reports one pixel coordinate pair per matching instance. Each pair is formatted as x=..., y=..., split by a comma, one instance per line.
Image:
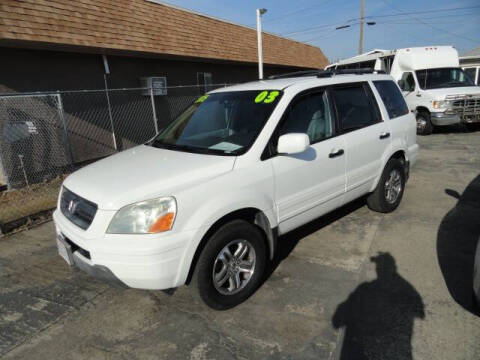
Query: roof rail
x=326, y=73
x=295, y=74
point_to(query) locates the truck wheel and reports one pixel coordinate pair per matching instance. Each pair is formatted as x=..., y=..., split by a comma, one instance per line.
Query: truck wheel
x=231, y=266
x=389, y=191
x=424, y=125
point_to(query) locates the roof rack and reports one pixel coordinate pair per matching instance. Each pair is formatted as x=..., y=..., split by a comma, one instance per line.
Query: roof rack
x=326, y=73
x=295, y=74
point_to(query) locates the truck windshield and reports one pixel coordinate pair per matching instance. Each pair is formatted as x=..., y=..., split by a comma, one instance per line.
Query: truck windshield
x=225, y=123
x=442, y=78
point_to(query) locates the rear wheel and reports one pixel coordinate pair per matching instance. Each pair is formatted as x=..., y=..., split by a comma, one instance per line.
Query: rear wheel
x=231, y=265
x=390, y=188
x=424, y=124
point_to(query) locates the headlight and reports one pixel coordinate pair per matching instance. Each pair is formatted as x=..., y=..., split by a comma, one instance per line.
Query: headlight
x=145, y=217
x=441, y=104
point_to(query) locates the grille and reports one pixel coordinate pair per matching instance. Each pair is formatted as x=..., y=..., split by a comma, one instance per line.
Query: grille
x=77, y=209
x=468, y=108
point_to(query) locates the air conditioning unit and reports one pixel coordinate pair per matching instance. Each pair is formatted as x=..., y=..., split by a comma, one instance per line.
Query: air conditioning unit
x=157, y=83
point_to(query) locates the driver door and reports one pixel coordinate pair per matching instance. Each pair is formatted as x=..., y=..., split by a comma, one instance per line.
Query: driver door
x=410, y=90
x=312, y=183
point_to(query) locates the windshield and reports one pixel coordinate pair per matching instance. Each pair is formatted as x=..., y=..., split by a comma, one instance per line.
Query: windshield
x=443, y=78
x=225, y=123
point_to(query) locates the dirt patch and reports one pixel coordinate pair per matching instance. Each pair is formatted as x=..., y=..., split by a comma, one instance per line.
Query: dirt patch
x=22, y=203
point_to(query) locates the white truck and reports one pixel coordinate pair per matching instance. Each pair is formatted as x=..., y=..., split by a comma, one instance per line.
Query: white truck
x=436, y=89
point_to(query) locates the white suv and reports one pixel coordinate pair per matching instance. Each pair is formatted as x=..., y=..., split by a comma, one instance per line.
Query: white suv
x=208, y=197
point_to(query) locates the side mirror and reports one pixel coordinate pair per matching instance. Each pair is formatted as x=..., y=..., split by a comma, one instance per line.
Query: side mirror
x=293, y=143
x=401, y=83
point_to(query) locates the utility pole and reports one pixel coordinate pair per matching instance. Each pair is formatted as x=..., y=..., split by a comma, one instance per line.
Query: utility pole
x=260, y=12
x=362, y=18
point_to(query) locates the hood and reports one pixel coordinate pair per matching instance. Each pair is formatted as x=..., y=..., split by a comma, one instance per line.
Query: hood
x=142, y=173
x=440, y=94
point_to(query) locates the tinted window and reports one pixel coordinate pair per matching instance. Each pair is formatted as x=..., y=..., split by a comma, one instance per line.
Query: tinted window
x=442, y=78
x=471, y=73
x=408, y=82
x=392, y=98
x=353, y=107
x=309, y=115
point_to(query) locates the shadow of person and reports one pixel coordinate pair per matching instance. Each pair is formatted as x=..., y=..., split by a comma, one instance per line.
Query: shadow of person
x=378, y=316
x=457, y=238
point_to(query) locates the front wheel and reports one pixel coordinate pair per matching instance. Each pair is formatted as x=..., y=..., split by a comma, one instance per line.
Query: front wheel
x=389, y=191
x=424, y=124
x=231, y=265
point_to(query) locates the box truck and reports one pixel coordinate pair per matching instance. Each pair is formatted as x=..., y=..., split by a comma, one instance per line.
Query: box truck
x=435, y=88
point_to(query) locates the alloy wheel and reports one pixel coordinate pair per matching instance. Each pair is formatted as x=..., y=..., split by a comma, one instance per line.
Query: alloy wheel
x=234, y=267
x=393, y=186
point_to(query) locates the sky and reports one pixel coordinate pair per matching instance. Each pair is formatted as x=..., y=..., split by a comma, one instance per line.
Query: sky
x=398, y=24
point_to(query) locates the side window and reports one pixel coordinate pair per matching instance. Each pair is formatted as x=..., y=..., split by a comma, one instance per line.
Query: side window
x=408, y=82
x=471, y=72
x=354, y=108
x=309, y=115
x=392, y=98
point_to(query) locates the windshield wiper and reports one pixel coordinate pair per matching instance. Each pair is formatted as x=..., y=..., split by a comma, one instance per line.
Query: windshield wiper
x=189, y=148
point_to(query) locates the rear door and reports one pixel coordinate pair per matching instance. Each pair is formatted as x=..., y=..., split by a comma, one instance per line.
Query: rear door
x=366, y=136
x=402, y=124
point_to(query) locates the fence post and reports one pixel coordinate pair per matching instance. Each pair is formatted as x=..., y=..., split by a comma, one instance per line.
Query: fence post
x=61, y=114
x=110, y=114
x=155, y=120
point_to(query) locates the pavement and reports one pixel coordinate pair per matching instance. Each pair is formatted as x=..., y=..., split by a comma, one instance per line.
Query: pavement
x=351, y=285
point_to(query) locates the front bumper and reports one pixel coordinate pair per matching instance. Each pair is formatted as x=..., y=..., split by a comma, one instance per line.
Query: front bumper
x=443, y=119
x=151, y=261
x=97, y=271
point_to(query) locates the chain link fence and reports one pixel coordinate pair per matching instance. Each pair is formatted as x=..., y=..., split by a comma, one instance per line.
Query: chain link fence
x=46, y=136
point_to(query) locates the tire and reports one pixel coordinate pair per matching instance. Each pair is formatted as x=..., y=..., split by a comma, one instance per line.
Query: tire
x=379, y=200
x=215, y=261
x=424, y=124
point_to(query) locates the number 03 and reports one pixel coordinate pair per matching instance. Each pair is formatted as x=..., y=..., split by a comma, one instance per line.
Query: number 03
x=266, y=97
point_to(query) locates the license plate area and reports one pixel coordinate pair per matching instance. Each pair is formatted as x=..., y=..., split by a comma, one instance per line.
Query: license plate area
x=64, y=250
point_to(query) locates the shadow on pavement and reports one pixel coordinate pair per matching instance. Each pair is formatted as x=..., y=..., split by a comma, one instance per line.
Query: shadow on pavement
x=457, y=128
x=457, y=238
x=378, y=316
x=289, y=241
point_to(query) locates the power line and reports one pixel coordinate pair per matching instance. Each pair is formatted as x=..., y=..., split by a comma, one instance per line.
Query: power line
x=402, y=13
x=430, y=25
x=296, y=12
x=377, y=16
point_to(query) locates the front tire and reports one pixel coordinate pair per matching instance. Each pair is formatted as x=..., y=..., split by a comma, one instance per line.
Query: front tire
x=389, y=191
x=424, y=124
x=231, y=266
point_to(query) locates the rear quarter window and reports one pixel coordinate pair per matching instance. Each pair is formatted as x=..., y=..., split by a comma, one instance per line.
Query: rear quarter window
x=392, y=98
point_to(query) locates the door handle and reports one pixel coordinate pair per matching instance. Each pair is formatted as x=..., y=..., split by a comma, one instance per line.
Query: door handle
x=384, y=135
x=336, y=153
x=418, y=95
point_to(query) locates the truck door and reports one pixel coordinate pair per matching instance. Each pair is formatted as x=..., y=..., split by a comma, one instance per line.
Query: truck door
x=410, y=91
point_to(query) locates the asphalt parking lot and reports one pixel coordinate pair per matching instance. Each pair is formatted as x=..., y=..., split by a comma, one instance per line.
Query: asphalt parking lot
x=351, y=285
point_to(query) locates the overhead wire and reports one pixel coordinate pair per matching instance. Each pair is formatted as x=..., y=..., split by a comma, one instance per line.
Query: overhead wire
x=433, y=26
x=373, y=17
